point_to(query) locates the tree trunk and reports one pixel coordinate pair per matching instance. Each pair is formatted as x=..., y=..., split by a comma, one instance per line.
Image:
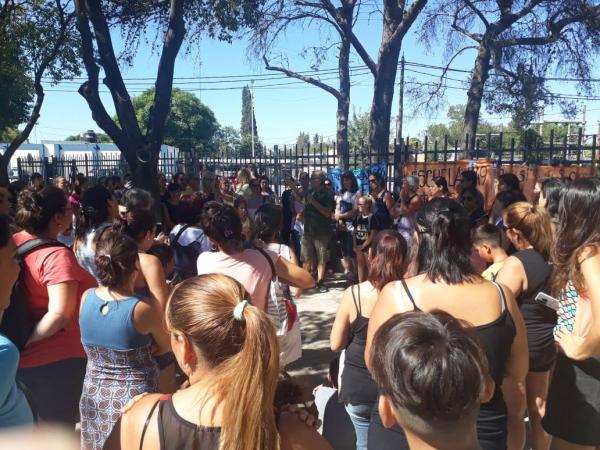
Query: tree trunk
x=343, y=104
x=475, y=95
x=4, y=163
x=383, y=96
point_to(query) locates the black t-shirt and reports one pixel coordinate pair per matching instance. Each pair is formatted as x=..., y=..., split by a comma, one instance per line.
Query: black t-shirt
x=363, y=226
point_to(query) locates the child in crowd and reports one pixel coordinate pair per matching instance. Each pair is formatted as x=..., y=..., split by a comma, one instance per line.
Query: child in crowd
x=432, y=376
x=487, y=242
x=365, y=224
x=247, y=223
x=165, y=255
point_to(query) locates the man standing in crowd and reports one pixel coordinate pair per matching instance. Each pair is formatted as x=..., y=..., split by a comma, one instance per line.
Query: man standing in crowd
x=318, y=231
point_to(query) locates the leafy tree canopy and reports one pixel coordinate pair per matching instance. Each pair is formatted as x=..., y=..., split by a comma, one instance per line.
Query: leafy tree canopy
x=190, y=124
x=15, y=85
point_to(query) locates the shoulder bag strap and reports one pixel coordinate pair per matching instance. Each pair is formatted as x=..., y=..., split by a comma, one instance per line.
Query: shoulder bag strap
x=148, y=423
x=34, y=244
x=273, y=272
x=179, y=233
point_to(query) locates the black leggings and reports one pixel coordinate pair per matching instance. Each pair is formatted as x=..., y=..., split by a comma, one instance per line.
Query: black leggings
x=54, y=390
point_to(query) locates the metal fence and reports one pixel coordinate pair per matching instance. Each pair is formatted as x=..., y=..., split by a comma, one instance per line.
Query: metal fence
x=279, y=161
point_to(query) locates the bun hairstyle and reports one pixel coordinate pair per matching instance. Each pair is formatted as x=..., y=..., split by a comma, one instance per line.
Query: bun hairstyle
x=94, y=209
x=116, y=258
x=444, y=251
x=534, y=224
x=35, y=209
x=268, y=221
x=223, y=226
x=578, y=229
x=388, y=258
x=136, y=224
x=432, y=369
x=244, y=353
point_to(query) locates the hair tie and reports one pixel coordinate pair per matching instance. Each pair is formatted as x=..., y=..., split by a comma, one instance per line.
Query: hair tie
x=106, y=255
x=238, y=311
x=227, y=233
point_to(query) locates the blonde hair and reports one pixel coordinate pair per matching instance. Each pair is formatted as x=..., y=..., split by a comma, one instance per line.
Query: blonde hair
x=245, y=354
x=244, y=176
x=533, y=222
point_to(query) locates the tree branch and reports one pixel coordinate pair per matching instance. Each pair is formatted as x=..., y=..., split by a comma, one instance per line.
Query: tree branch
x=164, y=79
x=479, y=14
x=304, y=78
x=409, y=18
x=89, y=89
x=114, y=80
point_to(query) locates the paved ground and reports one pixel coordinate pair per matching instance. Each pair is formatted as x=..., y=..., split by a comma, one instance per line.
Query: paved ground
x=317, y=312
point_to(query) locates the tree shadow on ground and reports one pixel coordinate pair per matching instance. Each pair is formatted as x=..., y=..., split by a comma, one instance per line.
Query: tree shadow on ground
x=311, y=370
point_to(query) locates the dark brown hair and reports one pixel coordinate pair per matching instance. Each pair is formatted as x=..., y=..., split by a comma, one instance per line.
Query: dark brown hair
x=35, y=209
x=431, y=367
x=487, y=234
x=189, y=209
x=136, y=224
x=578, y=229
x=388, y=258
x=222, y=224
x=116, y=258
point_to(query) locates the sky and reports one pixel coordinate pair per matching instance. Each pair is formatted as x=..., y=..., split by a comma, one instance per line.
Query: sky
x=282, y=111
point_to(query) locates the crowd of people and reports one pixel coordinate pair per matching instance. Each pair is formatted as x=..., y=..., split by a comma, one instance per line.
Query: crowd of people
x=169, y=323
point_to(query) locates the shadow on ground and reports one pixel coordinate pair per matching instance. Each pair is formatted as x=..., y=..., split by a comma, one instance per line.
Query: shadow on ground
x=311, y=370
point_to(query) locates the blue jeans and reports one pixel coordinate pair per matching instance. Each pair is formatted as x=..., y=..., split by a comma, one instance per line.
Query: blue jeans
x=360, y=415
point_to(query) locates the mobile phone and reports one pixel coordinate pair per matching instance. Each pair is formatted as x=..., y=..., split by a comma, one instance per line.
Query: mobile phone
x=547, y=300
x=159, y=229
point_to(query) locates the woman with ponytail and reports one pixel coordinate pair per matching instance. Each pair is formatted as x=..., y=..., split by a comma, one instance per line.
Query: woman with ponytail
x=99, y=209
x=447, y=281
x=139, y=225
x=229, y=351
x=119, y=331
x=527, y=273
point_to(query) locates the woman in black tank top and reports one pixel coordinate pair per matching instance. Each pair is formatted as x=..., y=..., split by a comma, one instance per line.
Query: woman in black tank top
x=446, y=281
x=358, y=391
x=527, y=273
x=229, y=352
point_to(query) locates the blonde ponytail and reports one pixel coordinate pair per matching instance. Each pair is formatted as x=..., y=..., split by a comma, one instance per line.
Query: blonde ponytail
x=533, y=222
x=243, y=353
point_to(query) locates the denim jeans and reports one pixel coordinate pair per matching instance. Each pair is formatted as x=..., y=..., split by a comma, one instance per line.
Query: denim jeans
x=360, y=415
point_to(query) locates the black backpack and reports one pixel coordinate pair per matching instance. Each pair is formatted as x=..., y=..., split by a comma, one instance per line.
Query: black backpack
x=16, y=324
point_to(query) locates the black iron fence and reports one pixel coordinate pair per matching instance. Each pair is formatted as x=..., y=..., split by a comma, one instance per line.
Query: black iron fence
x=277, y=162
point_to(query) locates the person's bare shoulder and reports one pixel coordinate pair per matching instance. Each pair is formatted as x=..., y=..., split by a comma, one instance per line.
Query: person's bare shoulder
x=296, y=435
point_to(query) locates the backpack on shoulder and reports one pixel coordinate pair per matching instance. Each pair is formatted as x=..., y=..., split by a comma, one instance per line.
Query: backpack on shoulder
x=16, y=323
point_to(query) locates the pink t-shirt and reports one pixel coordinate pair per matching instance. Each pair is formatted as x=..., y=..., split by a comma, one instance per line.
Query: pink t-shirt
x=249, y=267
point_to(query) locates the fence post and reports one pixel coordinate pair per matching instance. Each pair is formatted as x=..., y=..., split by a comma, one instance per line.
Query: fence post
x=594, y=150
x=445, y=147
x=500, y=147
x=466, y=149
x=579, y=139
x=455, y=149
x=425, y=145
x=85, y=158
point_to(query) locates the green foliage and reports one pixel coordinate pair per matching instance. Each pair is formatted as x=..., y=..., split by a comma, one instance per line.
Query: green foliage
x=303, y=140
x=248, y=117
x=15, y=85
x=9, y=134
x=190, y=124
x=358, y=130
x=226, y=142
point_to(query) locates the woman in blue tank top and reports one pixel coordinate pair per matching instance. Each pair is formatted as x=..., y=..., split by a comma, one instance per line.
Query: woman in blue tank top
x=118, y=331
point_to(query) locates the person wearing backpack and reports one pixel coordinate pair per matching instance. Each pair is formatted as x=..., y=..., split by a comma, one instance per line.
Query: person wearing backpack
x=51, y=283
x=187, y=238
x=14, y=409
